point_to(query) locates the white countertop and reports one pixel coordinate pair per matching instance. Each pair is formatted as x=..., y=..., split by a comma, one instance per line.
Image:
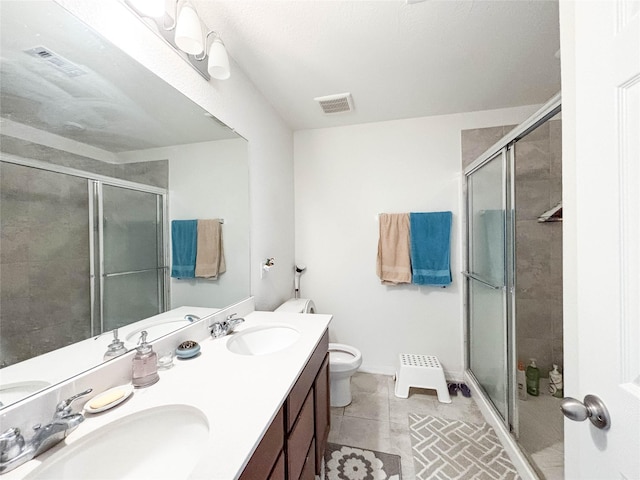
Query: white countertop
x=80, y=356
x=239, y=395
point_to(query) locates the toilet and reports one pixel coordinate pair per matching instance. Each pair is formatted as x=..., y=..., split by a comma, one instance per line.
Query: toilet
x=344, y=360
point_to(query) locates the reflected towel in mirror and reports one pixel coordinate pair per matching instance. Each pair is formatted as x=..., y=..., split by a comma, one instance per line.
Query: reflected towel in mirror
x=210, y=255
x=183, y=248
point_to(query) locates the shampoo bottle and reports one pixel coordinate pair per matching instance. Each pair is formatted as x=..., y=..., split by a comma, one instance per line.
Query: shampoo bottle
x=533, y=379
x=555, y=382
x=521, y=379
x=145, y=364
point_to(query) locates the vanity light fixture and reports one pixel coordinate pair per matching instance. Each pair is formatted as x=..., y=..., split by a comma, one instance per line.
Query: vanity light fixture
x=218, y=64
x=184, y=31
x=188, y=36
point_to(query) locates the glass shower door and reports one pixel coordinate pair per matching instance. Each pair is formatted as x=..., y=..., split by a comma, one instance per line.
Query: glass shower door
x=486, y=217
x=132, y=263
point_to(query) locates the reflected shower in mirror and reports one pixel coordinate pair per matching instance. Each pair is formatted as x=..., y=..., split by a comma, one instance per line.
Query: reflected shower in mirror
x=93, y=168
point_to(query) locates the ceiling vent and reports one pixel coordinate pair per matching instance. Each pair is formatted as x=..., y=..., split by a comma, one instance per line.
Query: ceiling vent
x=65, y=66
x=339, y=103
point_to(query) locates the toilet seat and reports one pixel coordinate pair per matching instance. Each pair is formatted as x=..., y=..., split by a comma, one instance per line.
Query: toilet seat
x=343, y=358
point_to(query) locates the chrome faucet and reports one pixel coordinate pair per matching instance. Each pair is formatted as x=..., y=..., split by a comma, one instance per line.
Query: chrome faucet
x=220, y=329
x=14, y=451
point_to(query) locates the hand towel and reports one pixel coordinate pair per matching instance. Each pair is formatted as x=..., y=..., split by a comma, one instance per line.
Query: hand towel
x=210, y=257
x=431, y=248
x=394, y=262
x=183, y=248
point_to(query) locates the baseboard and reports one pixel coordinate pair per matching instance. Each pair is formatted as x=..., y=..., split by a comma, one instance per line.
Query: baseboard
x=518, y=459
x=451, y=376
x=378, y=370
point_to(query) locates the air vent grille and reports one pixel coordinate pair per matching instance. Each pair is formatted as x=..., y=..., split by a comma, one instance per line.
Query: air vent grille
x=65, y=66
x=332, y=104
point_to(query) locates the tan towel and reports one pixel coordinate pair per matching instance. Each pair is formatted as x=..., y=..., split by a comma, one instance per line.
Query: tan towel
x=210, y=254
x=394, y=257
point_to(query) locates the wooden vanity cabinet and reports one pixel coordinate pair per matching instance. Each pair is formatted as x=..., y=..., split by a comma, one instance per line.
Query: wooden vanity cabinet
x=293, y=446
x=322, y=412
x=266, y=459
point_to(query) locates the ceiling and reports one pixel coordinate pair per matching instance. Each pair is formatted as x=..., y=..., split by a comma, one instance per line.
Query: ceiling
x=91, y=100
x=398, y=60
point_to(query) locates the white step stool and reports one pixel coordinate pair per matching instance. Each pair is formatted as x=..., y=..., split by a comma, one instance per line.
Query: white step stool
x=422, y=371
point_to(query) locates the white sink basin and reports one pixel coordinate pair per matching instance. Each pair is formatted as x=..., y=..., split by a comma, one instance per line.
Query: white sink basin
x=12, y=392
x=262, y=340
x=159, y=443
x=157, y=329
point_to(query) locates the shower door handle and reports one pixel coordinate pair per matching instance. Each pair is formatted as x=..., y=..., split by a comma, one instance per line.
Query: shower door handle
x=592, y=408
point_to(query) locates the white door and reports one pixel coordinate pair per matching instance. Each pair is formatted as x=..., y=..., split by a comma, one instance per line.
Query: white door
x=600, y=46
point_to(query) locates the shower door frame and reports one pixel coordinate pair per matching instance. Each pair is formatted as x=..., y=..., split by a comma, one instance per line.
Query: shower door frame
x=98, y=272
x=94, y=183
x=506, y=145
x=505, y=156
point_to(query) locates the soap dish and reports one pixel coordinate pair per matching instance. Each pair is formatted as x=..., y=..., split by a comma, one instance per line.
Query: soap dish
x=108, y=399
x=188, y=349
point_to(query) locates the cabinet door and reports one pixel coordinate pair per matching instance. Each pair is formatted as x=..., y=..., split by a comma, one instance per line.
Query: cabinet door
x=305, y=381
x=309, y=465
x=322, y=411
x=300, y=439
x=278, y=470
x=266, y=454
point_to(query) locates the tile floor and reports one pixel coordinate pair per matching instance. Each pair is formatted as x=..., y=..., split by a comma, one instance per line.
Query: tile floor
x=378, y=420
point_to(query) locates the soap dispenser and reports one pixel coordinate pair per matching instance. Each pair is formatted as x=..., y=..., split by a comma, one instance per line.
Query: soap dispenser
x=145, y=364
x=115, y=348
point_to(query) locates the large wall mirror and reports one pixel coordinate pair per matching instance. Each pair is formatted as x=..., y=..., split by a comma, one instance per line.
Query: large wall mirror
x=97, y=157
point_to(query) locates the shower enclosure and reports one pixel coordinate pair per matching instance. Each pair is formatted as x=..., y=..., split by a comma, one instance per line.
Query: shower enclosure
x=514, y=280
x=81, y=254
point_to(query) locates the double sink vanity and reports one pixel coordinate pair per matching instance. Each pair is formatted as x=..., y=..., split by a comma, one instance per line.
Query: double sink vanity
x=253, y=404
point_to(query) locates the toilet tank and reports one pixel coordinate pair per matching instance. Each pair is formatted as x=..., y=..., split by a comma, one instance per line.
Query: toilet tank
x=297, y=305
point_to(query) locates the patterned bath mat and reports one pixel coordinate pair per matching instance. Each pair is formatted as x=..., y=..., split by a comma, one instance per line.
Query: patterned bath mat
x=452, y=449
x=350, y=463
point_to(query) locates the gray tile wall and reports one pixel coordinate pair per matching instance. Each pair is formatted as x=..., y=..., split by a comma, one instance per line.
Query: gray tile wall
x=44, y=248
x=154, y=173
x=538, y=245
x=475, y=142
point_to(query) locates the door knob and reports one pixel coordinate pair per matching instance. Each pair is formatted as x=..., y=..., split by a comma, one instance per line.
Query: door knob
x=592, y=408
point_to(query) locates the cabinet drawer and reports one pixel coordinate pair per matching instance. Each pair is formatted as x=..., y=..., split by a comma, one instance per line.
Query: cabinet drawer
x=300, y=439
x=266, y=454
x=305, y=380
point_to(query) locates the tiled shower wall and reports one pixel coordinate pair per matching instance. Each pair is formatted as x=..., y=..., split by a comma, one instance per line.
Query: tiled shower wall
x=44, y=248
x=538, y=188
x=539, y=247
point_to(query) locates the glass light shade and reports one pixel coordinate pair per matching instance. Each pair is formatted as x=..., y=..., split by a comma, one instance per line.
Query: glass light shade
x=218, y=66
x=189, y=36
x=151, y=8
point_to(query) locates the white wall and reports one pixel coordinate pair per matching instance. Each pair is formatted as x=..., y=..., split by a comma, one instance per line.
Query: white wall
x=344, y=177
x=210, y=180
x=237, y=103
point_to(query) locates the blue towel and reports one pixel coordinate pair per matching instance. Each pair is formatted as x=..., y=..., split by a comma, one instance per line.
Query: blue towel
x=431, y=248
x=184, y=244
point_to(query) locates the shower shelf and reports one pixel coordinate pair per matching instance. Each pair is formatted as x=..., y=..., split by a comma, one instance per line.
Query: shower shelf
x=552, y=215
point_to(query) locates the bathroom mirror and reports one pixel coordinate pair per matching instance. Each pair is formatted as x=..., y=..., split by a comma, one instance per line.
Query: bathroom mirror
x=90, y=140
